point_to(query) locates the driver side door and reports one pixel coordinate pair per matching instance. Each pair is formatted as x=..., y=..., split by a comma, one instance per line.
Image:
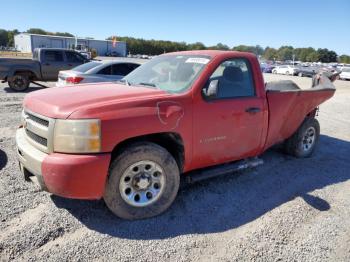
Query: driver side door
x=228, y=127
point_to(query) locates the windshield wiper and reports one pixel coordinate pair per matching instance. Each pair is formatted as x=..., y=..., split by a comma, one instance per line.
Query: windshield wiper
x=147, y=84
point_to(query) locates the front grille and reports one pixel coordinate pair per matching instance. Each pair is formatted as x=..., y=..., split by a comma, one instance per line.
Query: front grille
x=40, y=140
x=38, y=120
x=38, y=130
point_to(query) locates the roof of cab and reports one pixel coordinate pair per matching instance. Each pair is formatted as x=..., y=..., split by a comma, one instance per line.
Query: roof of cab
x=211, y=53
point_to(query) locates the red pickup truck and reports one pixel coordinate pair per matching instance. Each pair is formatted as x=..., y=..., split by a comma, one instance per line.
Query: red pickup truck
x=194, y=114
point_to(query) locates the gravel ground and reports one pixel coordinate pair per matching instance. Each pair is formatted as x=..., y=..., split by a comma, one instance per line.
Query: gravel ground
x=288, y=209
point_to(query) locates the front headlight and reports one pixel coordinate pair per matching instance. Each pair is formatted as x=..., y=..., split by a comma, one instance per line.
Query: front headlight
x=77, y=136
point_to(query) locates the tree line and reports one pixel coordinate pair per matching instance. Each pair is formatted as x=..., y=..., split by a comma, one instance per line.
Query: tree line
x=309, y=54
x=156, y=47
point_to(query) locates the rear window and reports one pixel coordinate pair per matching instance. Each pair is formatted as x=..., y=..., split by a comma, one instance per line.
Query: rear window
x=105, y=71
x=86, y=67
x=54, y=56
x=122, y=69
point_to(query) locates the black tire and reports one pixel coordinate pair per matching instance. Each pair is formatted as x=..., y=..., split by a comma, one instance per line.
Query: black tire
x=19, y=82
x=135, y=153
x=298, y=145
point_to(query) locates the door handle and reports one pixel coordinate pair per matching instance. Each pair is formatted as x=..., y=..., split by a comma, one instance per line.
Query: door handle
x=70, y=65
x=47, y=64
x=253, y=110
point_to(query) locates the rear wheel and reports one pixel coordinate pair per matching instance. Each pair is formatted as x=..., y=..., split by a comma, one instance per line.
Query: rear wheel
x=287, y=73
x=143, y=182
x=19, y=82
x=303, y=142
x=274, y=72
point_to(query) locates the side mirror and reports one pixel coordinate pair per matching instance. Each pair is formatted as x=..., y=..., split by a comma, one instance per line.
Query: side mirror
x=212, y=90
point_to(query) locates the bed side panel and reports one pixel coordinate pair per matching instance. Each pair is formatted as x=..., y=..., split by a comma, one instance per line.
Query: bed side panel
x=287, y=110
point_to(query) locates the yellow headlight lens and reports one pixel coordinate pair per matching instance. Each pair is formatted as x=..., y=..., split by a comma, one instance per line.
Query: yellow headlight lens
x=77, y=136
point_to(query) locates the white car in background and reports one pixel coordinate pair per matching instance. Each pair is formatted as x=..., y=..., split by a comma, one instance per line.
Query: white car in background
x=345, y=73
x=285, y=70
x=96, y=71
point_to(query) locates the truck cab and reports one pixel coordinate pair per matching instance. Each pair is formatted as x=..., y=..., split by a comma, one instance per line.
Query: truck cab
x=177, y=115
x=53, y=60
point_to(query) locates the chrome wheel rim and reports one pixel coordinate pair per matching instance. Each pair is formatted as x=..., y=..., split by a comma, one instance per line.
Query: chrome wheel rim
x=142, y=183
x=308, y=139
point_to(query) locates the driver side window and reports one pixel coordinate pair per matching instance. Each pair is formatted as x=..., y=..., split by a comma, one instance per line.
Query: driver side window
x=235, y=79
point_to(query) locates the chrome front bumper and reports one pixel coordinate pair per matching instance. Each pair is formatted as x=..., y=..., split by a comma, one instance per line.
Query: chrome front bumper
x=30, y=158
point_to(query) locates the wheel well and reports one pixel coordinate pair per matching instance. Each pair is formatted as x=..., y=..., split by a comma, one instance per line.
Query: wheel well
x=170, y=141
x=30, y=74
x=312, y=113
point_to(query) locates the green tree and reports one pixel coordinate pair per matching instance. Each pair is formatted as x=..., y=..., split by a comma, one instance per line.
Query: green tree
x=196, y=46
x=68, y=35
x=344, y=59
x=11, y=39
x=285, y=53
x=40, y=31
x=219, y=46
x=312, y=57
x=3, y=37
x=302, y=53
x=258, y=50
x=37, y=31
x=270, y=53
x=326, y=56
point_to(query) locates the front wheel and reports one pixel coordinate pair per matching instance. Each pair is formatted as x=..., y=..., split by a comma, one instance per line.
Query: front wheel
x=143, y=182
x=300, y=74
x=303, y=142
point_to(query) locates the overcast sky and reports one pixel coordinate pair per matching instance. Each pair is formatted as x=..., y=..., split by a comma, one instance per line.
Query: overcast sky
x=299, y=23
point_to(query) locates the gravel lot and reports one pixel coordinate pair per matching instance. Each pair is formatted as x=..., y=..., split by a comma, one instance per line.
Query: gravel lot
x=288, y=209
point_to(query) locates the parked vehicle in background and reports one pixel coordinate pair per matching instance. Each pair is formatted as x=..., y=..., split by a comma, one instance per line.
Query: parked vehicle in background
x=44, y=66
x=268, y=69
x=345, y=73
x=198, y=114
x=307, y=71
x=285, y=70
x=96, y=71
x=86, y=54
x=113, y=53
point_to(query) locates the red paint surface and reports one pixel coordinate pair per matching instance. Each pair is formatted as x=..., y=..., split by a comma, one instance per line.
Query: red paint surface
x=76, y=176
x=212, y=132
x=288, y=110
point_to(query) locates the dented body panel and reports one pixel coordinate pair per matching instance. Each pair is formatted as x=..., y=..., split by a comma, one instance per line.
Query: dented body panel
x=210, y=132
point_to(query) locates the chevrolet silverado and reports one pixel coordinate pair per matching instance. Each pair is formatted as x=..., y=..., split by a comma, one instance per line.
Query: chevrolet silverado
x=193, y=114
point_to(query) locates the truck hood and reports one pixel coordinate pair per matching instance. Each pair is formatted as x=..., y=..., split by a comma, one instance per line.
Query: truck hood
x=62, y=102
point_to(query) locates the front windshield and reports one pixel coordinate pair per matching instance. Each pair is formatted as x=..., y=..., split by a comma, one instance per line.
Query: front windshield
x=171, y=73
